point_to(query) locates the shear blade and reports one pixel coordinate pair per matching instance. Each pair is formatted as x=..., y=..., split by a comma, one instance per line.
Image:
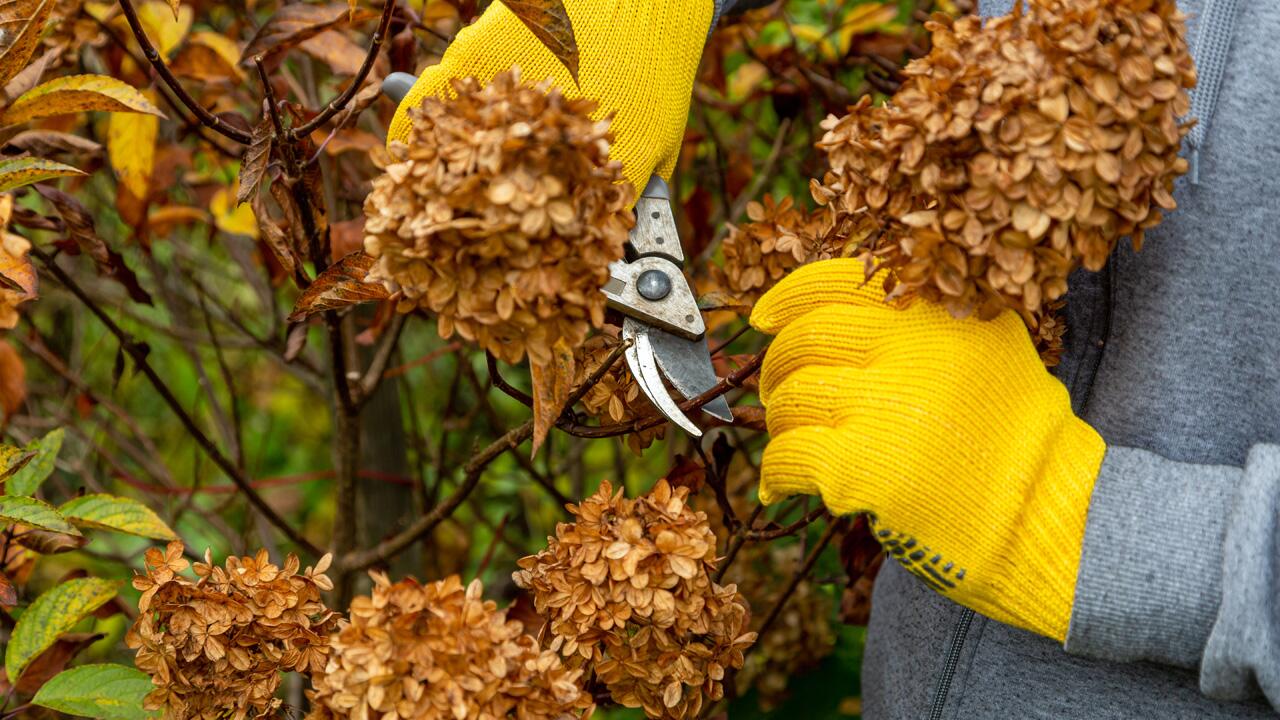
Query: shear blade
x=640, y=359
x=687, y=364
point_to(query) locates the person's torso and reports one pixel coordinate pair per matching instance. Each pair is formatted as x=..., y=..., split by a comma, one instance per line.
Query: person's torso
x=1172, y=349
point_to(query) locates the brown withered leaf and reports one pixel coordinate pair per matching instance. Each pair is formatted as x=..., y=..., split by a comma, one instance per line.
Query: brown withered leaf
x=54, y=660
x=346, y=237
x=336, y=50
x=551, y=384
x=255, y=160
x=295, y=23
x=8, y=593
x=47, y=542
x=341, y=286
x=275, y=238
x=85, y=239
x=21, y=23
x=13, y=381
x=30, y=75
x=549, y=22
x=44, y=143
x=749, y=416
x=687, y=472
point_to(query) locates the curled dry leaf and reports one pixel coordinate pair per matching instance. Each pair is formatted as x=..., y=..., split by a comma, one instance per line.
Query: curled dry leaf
x=342, y=285
x=440, y=650
x=256, y=158
x=79, y=226
x=501, y=215
x=549, y=22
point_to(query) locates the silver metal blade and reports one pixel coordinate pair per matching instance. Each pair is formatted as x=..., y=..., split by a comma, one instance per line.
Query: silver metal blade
x=687, y=364
x=640, y=359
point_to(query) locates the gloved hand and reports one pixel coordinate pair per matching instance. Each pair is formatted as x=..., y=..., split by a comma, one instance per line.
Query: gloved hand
x=949, y=432
x=637, y=58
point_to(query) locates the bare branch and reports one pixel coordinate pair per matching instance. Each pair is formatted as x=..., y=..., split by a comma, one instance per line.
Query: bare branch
x=138, y=353
x=206, y=118
x=335, y=106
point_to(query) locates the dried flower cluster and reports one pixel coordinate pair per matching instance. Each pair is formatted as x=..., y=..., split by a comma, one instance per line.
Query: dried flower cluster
x=627, y=591
x=215, y=647
x=440, y=650
x=1017, y=151
x=501, y=214
x=616, y=398
x=779, y=239
x=17, y=277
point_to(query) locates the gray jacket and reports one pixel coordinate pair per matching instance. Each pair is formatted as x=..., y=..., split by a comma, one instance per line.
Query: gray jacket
x=1174, y=357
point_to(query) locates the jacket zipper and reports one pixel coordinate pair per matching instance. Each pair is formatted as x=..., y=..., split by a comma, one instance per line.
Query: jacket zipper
x=953, y=661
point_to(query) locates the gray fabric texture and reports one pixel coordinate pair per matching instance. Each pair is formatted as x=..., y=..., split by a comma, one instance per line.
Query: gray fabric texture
x=1173, y=355
x=1151, y=572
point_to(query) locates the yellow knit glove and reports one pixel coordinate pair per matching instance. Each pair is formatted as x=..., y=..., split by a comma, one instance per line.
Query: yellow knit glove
x=637, y=58
x=949, y=432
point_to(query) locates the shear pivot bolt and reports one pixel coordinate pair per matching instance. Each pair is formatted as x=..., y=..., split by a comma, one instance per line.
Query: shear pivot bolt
x=653, y=284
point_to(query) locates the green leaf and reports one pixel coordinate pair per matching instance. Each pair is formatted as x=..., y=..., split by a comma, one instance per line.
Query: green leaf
x=27, y=480
x=77, y=93
x=30, y=511
x=107, y=691
x=22, y=171
x=53, y=613
x=109, y=512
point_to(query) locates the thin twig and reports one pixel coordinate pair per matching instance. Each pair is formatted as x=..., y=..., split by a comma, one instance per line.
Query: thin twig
x=793, y=528
x=472, y=471
x=374, y=374
x=736, y=542
x=138, y=353
x=206, y=118
x=501, y=383
x=796, y=579
x=337, y=104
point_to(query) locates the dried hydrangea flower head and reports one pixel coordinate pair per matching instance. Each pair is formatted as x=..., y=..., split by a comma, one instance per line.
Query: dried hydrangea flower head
x=501, y=215
x=778, y=239
x=438, y=651
x=1017, y=151
x=627, y=591
x=215, y=646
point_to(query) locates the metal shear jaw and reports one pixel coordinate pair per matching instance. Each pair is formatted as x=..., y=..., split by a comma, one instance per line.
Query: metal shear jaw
x=663, y=322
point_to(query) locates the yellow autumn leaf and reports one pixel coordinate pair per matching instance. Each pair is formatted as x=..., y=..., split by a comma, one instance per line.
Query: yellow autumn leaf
x=219, y=53
x=818, y=36
x=863, y=19
x=131, y=147
x=232, y=218
x=747, y=78
x=108, y=512
x=77, y=93
x=165, y=24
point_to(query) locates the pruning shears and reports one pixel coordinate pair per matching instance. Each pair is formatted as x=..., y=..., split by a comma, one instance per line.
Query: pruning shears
x=662, y=323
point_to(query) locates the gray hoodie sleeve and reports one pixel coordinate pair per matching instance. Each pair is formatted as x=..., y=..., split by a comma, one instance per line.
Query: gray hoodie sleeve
x=1181, y=566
